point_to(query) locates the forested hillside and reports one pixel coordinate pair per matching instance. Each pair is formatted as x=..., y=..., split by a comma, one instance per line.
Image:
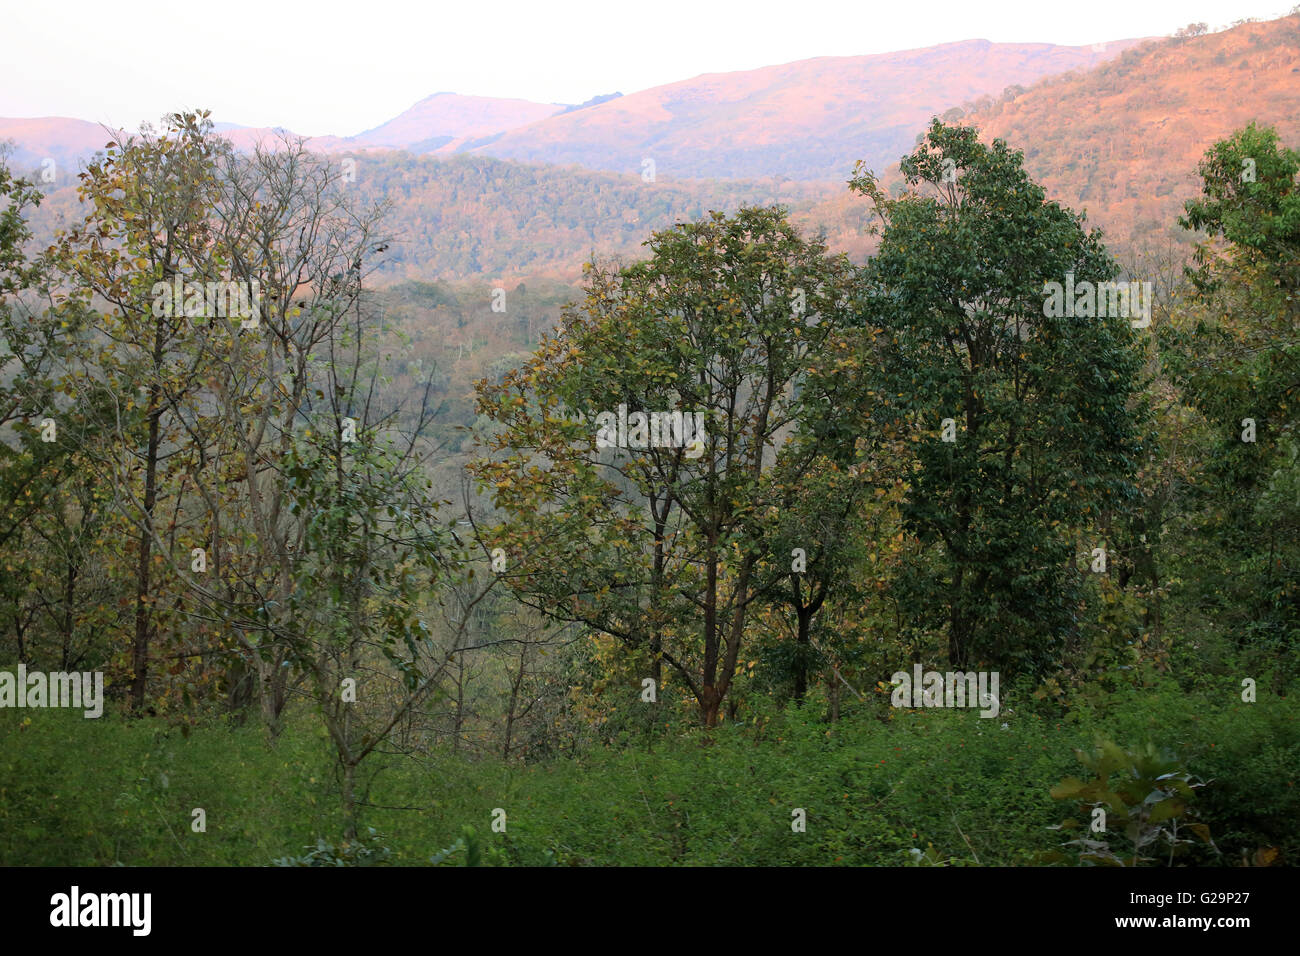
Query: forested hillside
x=468, y=217
x=1122, y=140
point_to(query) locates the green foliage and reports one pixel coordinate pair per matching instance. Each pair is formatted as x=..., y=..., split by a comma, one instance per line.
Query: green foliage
x=466, y=843
x=1251, y=201
x=1146, y=804
x=20, y=197
x=365, y=851
x=476, y=854
x=1233, y=351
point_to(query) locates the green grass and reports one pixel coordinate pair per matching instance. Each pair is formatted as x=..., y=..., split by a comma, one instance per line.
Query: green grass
x=108, y=791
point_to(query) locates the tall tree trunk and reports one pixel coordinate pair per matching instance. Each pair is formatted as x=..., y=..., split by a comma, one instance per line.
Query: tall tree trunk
x=960, y=624
x=514, y=700
x=350, y=800
x=710, y=701
x=239, y=694
x=69, y=596
x=460, y=703
x=272, y=682
x=140, y=648
x=656, y=587
x=709, y=698
x=802, y=642
x=959, y=627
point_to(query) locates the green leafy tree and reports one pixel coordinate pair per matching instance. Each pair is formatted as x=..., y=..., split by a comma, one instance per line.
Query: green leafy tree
x=55, y=597
x=355, y=621
x=1036, y=407
x=663, y=547
x=147, y=221
x=1235, y=354
x=837, y=481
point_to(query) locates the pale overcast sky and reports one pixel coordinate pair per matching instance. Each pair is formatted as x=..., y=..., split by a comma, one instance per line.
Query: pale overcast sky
x=342, y=67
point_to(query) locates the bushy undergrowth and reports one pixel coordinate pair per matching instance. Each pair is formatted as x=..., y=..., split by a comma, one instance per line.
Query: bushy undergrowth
x=927, y=786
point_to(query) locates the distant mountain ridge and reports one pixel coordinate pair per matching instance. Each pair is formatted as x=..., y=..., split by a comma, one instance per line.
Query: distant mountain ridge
x=1120, y=140
x=435, y=121
x=808, y=120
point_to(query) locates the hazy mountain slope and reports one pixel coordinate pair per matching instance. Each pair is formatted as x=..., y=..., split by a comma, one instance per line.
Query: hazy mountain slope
x=433, y=122
x=806, y=120
x=1123, y=140
x=64, y=140
x=810, y=119
x=449, y=116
